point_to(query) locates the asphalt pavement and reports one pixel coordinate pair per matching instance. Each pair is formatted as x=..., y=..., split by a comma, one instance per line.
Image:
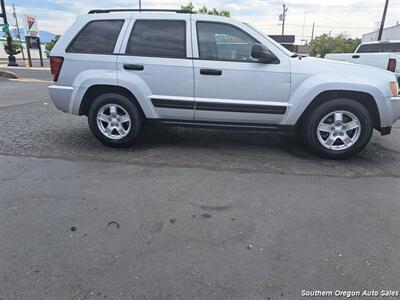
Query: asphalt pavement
x=186, y=213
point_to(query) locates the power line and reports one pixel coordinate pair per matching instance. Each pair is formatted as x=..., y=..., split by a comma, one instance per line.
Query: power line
x=304, y=20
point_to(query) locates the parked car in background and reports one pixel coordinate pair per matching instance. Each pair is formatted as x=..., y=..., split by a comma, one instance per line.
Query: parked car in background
x=123, y=69
x=384, y=55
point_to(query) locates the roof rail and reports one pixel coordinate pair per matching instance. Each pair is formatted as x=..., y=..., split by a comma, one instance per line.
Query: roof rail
x=106, y=11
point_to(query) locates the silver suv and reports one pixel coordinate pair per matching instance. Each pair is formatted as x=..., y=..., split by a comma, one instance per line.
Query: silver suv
x=125, y=68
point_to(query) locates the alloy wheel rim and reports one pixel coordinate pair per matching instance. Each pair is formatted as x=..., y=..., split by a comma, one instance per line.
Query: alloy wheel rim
x=339, y=130
x=113, y=121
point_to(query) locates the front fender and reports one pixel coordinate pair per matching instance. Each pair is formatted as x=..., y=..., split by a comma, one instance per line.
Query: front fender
x=309, y=89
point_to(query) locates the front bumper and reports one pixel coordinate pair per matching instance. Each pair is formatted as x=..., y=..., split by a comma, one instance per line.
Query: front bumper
x=62, y=97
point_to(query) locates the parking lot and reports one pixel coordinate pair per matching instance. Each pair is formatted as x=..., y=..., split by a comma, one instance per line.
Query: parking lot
x=186, y=213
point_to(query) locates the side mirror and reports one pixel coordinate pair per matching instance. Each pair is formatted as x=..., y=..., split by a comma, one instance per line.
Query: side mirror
x=262, y=54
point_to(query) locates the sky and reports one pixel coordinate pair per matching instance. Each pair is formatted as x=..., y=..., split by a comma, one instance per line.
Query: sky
x=353, y=17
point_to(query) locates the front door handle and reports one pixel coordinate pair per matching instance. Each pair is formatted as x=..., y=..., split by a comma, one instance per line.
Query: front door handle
x=210, y=72
x=131, y=67
x=356, y=56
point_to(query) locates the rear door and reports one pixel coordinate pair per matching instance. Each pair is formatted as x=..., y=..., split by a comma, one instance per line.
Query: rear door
x=157, y=63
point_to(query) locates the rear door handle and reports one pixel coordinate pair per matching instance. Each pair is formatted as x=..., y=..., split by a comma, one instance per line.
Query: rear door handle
x=210, y=72
x=131, y=67
x=356, y=56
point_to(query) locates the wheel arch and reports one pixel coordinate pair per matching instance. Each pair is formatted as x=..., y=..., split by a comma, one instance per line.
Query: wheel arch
x=364, y=98
x=99, y=89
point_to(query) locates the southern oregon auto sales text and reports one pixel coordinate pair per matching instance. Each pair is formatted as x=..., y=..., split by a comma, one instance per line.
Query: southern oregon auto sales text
x=350, y=294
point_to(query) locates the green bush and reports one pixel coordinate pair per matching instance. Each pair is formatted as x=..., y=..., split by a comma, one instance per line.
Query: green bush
x=16, y=47
x=324, y=44
x=49, y=46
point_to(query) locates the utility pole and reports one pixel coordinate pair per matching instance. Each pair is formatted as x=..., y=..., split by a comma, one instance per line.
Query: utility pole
x=312, y=32
x=18, y=33
x=383, y=20
x=140, y=4
x=282, y=18
x=304, y=21
x=11, y=58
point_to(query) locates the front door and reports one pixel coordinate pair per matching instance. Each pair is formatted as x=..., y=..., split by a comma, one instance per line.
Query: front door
x=230, y=86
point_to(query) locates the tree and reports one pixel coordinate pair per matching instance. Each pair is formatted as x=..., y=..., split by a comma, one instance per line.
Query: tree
x=324, y=44
x=206, y=11
x=16, y=47
x=49, y=46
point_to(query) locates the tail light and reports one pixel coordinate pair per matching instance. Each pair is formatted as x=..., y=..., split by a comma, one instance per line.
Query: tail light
x=55, y=66
x=392, y=65
x=394, y=88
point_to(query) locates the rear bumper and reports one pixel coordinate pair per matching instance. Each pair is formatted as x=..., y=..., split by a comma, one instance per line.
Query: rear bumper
x=62, y=97
x=395, y=108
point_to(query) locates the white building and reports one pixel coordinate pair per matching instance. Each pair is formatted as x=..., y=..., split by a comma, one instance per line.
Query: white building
x=389, y=33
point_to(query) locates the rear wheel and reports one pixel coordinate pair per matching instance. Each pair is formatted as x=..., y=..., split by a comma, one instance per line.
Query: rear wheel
x=338, y=129
x=114, y=120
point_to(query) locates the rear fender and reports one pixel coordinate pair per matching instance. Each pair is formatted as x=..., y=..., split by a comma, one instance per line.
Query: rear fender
x=85, y=80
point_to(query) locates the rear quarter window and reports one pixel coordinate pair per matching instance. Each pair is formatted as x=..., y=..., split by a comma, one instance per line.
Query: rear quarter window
x=97, y=37
x=158, y=38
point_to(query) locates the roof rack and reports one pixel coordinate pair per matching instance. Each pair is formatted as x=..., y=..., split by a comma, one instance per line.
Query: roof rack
x=106, y=11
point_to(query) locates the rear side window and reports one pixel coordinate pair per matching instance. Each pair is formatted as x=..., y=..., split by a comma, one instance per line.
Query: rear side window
x=392, y=47
x=384, y=47
x=97, y=37
x=158, y=38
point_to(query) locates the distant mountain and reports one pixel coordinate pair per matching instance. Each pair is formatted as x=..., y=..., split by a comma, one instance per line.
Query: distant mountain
x=45, y=36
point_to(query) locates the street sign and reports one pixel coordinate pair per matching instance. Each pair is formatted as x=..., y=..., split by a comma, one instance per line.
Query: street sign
x=6, y=28
x=30, y=26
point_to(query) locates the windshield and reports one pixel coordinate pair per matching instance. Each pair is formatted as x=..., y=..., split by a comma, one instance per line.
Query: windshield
x=283, y=49
x=383, y=47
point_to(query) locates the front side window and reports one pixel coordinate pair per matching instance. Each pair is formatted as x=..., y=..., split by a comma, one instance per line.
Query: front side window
x=158, y=38
x=97, y=37
x=219, y=41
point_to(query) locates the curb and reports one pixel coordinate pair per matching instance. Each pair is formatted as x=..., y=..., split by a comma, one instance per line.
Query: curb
x=21, y=67
x=7, y=74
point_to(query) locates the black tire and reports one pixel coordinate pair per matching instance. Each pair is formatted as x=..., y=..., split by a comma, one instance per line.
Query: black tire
x=312, y=120
x=129, y=106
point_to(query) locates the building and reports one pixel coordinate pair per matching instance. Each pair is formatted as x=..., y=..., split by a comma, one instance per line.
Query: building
x=389, y=33
x=288, y=41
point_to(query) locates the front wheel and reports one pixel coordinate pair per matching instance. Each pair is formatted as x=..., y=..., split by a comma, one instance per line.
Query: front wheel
x=115, y=120
x=338, y=129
